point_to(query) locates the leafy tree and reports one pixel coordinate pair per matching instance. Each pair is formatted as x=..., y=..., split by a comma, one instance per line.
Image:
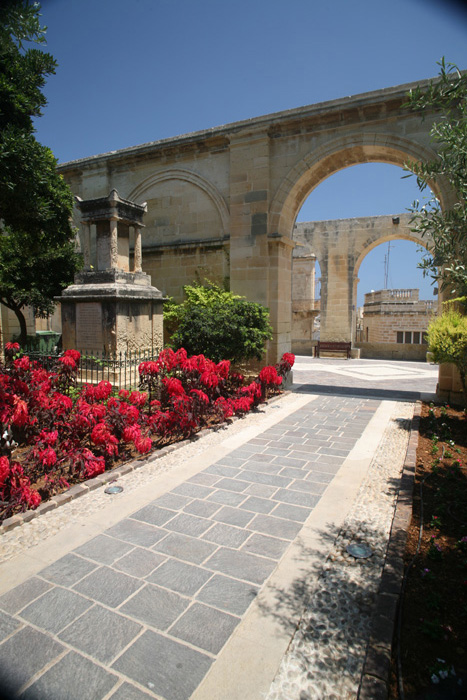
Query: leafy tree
x=220, y=325
x=447, y=340
x=37, y=242
x=445, y=230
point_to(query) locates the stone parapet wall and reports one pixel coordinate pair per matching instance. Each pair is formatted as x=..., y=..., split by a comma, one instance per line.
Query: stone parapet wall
x=392, y=351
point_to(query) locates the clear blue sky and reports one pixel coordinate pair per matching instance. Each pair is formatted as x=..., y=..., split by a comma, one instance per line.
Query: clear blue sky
x=132, y=71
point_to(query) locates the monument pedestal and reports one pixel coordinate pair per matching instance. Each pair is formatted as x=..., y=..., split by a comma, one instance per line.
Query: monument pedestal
x=110, y=310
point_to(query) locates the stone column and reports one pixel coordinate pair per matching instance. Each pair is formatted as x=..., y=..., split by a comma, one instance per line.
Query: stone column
x=260, y=264
x=137, y=263
x=87, y=245
x=114, y=244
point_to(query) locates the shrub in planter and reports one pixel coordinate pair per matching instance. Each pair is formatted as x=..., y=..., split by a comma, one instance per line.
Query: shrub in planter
x=447, y=341
x=235, y=331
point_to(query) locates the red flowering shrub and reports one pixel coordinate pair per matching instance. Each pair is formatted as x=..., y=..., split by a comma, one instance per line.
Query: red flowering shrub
x=63, y=439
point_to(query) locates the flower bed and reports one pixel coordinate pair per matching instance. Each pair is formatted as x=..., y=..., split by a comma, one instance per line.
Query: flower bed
x=54, y=434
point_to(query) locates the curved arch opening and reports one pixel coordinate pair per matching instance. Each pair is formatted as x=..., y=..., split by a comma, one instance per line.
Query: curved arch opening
x=356, y=224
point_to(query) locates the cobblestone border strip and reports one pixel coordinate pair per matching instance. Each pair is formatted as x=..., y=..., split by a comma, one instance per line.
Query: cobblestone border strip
x=374, y=684
x=112, y=475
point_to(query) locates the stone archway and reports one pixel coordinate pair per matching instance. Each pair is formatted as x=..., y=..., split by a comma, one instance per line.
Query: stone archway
x=341, y=246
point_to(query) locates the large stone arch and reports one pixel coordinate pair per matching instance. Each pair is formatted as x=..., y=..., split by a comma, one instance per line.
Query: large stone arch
x=338, y=252
x=352, y=149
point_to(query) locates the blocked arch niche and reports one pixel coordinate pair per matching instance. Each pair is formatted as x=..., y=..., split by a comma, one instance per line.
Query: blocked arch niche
x=141, y=190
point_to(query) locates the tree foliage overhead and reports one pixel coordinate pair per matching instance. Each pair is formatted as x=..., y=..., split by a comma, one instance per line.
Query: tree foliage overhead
x=444, y=229
x=37, y=242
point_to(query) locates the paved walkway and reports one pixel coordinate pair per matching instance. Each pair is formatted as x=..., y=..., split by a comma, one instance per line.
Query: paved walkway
x=169, y=590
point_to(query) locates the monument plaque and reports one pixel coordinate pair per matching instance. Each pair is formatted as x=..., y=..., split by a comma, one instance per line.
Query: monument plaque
x=89, y=325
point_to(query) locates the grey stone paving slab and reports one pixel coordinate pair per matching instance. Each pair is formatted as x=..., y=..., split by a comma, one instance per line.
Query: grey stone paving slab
x=271, y=547
x=308, y=486
x=139, y=562
x=227, y=498
x=268, y=479
x=256, y=456
x=233, y=484
x=204, y=479
x=319, y=477
x=276, y=451
x=180, y=577
x=55, y=609
x=23, y=655
x=172, y=500
x=155, y=606
x=67, y=570
x=277, y=527
x=108, y=586
x=289, y=512
x=221, y=470
x=202, y=508
x=100, y=633
x=228, y=594
x=333, y=451
x=305, y=450
x=297, y=498
x=184, y=547
x=293, y=473
x=247, y=567
x=8, y=625
x=192, y=490
x=231, y=461
x=226, y=535
x=23, y=594
x=205, y=627
x=265, y=467
x=320, y=464
x=129, y=692
x=104, y=550
x=188, y=524
x=73, y=678
x=152, y=514
x=258, y=505
x=136, y=532
x=170, y=669
x=261, y=490
x=233, y=516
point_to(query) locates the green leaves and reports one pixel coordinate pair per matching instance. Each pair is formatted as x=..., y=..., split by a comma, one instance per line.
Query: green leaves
x=219, y=324
x=37, y=242
x=445, y=230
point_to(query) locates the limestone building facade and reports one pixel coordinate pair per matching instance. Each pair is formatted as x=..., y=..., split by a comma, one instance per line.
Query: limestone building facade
x=395, y=323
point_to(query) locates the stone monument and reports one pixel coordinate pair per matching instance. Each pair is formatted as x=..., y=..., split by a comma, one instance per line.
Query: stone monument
x=110, y=309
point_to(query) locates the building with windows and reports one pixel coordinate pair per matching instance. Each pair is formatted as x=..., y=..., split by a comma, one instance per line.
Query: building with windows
x=394, y=324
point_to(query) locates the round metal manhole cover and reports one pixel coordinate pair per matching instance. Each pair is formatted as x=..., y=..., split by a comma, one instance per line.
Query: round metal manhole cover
x=359, y=551
x=113, y=489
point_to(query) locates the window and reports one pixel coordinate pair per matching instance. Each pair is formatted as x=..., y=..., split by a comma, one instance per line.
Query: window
x=408, y=337
x=416, y=337
x=400, y=337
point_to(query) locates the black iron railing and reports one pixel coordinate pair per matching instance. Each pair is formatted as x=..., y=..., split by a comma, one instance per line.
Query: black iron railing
x=120, y=369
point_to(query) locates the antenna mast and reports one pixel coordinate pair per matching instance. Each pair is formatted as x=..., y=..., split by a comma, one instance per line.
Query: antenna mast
x=386, y=266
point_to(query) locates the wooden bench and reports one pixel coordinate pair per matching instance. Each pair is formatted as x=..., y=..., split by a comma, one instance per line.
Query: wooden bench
x=330, y=346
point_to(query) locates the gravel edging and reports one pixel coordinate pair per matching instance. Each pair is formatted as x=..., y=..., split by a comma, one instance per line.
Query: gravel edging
x=374, y=683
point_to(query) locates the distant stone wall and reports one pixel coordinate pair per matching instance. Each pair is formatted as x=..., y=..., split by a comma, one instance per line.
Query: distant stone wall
x=392, y=351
